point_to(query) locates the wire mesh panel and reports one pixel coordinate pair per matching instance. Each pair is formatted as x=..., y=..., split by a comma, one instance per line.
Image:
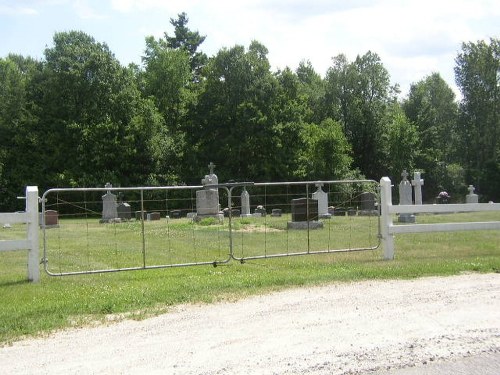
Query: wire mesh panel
x=113, y=229
x=340, y=216
x=137, y=228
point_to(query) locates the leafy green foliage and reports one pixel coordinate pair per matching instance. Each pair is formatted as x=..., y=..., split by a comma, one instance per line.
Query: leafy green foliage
x=79, y=118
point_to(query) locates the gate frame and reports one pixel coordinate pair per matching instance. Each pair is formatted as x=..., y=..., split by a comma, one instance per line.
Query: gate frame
x=231, y=256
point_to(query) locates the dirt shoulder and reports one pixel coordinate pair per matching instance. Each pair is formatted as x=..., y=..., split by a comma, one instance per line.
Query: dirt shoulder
x=352, y=328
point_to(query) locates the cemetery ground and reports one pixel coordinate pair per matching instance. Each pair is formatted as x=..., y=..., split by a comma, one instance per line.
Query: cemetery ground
x=74, y=301
x=342, y=313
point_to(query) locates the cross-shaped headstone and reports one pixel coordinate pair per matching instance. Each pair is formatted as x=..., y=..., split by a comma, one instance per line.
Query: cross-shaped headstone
x=108, y=186
x=211, y=167
x=319, y=184
x=417, y=182
x=471, y=189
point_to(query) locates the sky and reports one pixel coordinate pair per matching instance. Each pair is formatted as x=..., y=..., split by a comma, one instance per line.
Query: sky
x=413, y=38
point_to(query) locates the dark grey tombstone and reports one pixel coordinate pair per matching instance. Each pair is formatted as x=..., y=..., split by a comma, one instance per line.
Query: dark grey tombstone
x=304, y=209
x=339, y=211
x=368, y=202
x=124, y=211
x=175, y=214
x=153, y=216
x=138, y=215
x=276, y=212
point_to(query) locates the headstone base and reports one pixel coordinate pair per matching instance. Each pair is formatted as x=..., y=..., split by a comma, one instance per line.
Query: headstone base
x=110, y=221
x=197, y=218
x=304, y=225
x=472, y=198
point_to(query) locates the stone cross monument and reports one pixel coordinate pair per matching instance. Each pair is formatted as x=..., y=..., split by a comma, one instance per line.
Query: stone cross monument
x=417, y=182
x=207, y=200
x=405, y=198
x=471, y=197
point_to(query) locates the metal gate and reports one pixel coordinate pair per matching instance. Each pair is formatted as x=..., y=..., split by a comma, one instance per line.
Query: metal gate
x=157, y=227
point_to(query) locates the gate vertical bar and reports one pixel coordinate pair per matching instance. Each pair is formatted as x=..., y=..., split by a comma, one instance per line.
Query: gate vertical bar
x=143, y=231
x=386, y=219
x=32, y=233
x=307, y=218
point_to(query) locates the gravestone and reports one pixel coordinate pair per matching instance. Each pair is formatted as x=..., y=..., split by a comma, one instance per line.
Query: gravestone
x=138, y=215
x=124, y=211
x=471, y=197
x=175, y=214
x=109, y=206
x=417, y=182
x=207, y=200
x=368, y=202
x=322, y=199
x=276, y=212
x=153, y=216
x=245, y=203
x=339, y=211
x=260, y=211
x=304, y=214
x=405, y=198
x=51, y=219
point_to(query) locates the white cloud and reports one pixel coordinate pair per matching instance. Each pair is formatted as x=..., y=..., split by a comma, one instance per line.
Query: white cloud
x=85, y=11
x=13, y=10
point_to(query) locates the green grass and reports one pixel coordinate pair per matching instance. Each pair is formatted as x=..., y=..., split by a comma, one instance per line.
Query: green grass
x=28, y=309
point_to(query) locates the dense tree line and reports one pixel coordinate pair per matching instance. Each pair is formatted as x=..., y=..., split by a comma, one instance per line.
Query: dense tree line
x=80, y=118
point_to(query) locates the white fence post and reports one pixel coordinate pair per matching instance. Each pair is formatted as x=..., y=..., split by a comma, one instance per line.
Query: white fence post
x=386, y=218
x=32, y=233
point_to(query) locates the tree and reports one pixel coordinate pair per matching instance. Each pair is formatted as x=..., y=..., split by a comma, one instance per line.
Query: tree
x=357, y=95
x=18, y=124
x=188, y=41
x=234, y=123
x=166, y=79
x=91, y=116
x=432, y=108
x=477, y=74
x=312, y=88
x=401, y=142
x=325, y=153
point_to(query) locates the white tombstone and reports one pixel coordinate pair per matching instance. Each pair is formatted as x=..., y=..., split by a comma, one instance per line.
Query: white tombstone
x=109, y=205
x=417, y=182
x=405, y=198
x=322, y=199
x=245, y=203
x=471, y=197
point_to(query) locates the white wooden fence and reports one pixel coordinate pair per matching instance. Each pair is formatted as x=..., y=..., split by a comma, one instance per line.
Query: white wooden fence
x=30, y=218
x=388, y=229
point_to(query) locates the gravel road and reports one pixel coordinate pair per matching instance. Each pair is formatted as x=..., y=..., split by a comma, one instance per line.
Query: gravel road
x=369, y=327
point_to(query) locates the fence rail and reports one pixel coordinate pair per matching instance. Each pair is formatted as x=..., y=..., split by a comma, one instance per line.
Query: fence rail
x=388, y=229
x=31, y=242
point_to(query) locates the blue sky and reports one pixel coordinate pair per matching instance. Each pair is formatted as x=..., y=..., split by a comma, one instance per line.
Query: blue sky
x=413, y=38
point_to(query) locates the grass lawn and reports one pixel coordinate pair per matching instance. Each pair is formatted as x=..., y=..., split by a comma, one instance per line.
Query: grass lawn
x=83, y=244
